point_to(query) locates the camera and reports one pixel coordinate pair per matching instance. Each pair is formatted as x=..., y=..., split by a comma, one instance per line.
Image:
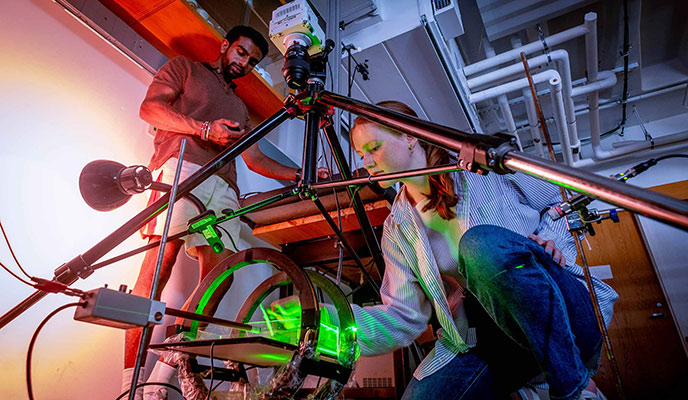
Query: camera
x=295, y=31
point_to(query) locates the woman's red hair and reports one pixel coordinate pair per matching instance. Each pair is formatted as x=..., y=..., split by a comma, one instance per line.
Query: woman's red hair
x=441, y=197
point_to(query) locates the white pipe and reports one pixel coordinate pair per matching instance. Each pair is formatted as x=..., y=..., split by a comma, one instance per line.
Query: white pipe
x=533, y=121
x=509, y=119
x=561, y=57
x=515, y=54
x=512, y=86
x=503, y=101
x=550, y=76
x=593, y=99
x=605, y=80
x=560, y=118
x=640, y=148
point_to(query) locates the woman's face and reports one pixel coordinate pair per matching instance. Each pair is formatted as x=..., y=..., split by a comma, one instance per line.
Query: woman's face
x=383, y=152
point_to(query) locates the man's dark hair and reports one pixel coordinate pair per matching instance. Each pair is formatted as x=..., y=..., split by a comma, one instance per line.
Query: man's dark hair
x=247, y=31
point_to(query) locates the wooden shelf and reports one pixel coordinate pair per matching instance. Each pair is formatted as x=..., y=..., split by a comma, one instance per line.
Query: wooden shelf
x=315, y=226
x=176, y=29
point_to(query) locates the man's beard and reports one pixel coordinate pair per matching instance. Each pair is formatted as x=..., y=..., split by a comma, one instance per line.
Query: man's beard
x=229, y=74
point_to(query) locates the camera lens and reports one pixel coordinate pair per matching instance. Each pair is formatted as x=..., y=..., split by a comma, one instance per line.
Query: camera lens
x=296, y=66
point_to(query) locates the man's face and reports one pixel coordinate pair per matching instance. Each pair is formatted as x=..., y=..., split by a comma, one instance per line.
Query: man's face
x=239, y=57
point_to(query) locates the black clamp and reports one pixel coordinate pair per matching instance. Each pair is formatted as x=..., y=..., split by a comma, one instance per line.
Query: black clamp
x=69, y=271
x=488, y=155
x=292, y=106
x=308, y=100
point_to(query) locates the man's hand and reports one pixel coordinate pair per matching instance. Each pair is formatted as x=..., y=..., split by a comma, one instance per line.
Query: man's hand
x=224, y=131
x=550, y=249
x=323, y=173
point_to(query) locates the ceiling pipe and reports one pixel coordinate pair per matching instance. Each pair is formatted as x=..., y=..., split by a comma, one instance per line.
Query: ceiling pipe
x=533, y=121
x=560, y=118
x=503, y=101
x=509, y=119
x=515, y=54
x=638, y=149
x=561, y=58
x=605, y=80
x=593, y=98
x=553, y=79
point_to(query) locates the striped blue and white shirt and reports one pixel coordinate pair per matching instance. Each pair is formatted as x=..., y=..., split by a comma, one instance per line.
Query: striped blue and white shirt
x=412, y=287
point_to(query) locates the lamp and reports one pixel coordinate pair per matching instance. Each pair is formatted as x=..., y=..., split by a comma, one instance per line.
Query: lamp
x=106, y=185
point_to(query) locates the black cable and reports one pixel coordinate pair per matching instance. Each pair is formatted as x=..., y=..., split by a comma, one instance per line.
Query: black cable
x=212, y=349
x=29, y=352
x=624, y=96
x=671, y=156
x=9, y=246
x=230, y=237
x=168, y=385
x=22, y=280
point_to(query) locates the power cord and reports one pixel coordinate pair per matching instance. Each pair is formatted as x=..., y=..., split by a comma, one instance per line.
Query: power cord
x=9, y=246
x=29, y=352
x=212, y=349
x=19, y=278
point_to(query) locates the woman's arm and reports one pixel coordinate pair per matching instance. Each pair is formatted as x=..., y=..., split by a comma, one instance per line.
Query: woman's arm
x=404, y=312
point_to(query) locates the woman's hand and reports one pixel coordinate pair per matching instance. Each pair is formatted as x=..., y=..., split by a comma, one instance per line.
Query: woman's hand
x=455, y=294
x=550, y=249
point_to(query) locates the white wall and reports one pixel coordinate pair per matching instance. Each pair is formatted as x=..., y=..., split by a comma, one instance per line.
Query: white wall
x=68, y=98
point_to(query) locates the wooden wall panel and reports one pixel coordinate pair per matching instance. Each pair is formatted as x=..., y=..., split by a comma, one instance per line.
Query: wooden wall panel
x=647, y=346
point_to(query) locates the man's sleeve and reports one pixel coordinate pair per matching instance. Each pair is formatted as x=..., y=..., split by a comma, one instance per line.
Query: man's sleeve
x=404, y=312
x=173, y=74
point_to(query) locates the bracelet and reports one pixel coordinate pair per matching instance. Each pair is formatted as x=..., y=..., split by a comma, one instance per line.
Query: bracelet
x=205, y=130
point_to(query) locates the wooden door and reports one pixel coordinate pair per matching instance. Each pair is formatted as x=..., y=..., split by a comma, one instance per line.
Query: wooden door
x=643, y=334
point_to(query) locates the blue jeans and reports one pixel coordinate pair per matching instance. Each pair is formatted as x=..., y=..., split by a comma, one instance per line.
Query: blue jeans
x=531, y=317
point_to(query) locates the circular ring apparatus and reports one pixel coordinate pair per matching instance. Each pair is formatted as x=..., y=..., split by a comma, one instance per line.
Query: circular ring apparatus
x=325, y=348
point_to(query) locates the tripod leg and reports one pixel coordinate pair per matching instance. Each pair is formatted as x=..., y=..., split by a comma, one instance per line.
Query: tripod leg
x=344, y=243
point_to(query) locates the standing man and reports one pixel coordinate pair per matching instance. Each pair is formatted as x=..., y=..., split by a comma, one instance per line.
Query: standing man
x=196, y=101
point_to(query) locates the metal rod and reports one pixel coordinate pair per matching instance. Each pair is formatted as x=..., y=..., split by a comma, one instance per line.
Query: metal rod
x=598, y=314
x=586, y=268
x=543, y=123
x=387, y=177
x=236, y=213
x=431, y=132
x=309, y=171
x=158, y=266
x=168, y=220
x=134, y=252
x=211, y=320
x=642, y=201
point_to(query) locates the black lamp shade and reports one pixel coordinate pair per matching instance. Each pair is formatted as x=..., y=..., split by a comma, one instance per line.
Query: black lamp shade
x=99, y=185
